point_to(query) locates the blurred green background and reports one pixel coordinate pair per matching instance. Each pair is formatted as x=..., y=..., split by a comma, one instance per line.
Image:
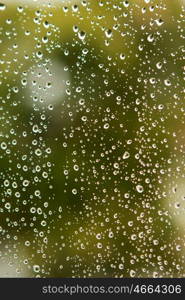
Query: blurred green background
x=92, y=138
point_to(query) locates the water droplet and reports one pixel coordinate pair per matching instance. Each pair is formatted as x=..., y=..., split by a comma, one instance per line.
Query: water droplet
x=3, y=146
x=132, y=273
x=126, y=3
x=159, y=22
x=106, y=126
x=122, y=56
x=81, y=35
x=159, y=65
x=167, y=82
x=108, y=33
x=139, y=188
x=2, y=6
x=178, y=247
x=36, y=268
x=76, y=167
x=126, y=155
x=74, y=191
x=150, y=38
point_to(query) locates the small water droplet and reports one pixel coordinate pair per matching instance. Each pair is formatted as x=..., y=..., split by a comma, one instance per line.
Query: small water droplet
x=167, y=82
x=81, y=35
x=108, y=33
x=2, y=6
x=36, y=268
x=74, y=191
x=126, y=155
x=159, y=22
x=139, y=188
x=150, y=38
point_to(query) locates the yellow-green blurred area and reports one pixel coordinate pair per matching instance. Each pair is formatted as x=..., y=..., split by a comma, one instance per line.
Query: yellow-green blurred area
x=92, y=138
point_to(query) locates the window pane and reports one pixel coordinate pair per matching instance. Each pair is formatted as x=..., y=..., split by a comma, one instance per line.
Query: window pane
x=92, y=138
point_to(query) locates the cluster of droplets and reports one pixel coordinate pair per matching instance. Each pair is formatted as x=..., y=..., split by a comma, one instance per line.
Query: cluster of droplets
x=92, y=139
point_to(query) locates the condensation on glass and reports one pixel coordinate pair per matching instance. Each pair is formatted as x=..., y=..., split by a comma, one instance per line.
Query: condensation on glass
x=92, y=138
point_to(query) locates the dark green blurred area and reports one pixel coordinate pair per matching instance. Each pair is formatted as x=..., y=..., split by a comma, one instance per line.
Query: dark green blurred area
x=92, y=222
